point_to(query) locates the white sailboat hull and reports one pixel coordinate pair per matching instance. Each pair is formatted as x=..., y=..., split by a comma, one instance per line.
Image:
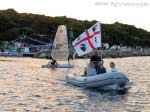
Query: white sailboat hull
x=59, y=66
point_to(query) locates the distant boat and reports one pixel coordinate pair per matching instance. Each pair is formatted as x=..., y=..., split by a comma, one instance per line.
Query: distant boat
x=30, y=51
x=60, y=51
x=23, y=50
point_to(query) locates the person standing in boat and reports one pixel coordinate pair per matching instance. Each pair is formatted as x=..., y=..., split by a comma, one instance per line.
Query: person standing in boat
x=69, y=57
x=95, y=60
x=113, y=68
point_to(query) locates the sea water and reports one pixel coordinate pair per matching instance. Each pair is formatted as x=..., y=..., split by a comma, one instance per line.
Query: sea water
x=27, y=87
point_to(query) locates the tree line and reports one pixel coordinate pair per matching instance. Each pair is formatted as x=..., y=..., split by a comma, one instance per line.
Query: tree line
x=41, y=27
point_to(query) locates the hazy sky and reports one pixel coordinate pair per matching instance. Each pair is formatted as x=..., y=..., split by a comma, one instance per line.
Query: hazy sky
x=134, y=12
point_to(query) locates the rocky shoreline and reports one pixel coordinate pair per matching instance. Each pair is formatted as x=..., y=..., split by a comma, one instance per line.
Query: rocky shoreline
x=104, y=53
x=121, y=54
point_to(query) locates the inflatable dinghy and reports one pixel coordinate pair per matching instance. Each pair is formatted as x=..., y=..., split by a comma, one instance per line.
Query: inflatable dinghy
x=98, y=81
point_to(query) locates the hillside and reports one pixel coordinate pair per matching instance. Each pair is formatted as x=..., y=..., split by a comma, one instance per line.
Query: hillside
x=41, y=27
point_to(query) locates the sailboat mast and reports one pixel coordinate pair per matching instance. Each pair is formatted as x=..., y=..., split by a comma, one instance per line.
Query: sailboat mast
x=68, y=38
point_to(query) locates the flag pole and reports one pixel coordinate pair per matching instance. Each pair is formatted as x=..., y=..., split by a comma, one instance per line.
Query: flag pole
x=86, y=53
x=68, y=46
x=101, y=43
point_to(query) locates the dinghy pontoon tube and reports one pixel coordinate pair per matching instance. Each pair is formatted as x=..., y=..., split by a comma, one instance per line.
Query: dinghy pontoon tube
x=101, y=80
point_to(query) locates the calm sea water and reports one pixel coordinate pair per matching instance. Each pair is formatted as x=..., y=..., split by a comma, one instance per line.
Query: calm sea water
x=26, y=87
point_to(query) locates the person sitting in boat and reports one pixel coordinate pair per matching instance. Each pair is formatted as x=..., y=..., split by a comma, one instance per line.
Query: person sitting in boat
x=95, y=59
x=53, y=63
x=101, y=68
x=90, y=70
x=112, y=66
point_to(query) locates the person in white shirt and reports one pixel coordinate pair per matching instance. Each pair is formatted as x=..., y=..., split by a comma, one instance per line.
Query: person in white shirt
x=113, y=68
x=90, y=70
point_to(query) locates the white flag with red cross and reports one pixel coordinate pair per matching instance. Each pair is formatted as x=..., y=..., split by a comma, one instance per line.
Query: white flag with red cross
x=88, y=40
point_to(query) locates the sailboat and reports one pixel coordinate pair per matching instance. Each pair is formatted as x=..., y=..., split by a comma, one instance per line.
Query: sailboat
x=60, y=51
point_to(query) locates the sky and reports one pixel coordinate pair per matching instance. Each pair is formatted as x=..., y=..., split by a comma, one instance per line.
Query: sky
x=132, y=12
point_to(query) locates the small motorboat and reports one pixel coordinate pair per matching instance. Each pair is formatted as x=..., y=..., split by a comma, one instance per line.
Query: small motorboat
x=98, y=81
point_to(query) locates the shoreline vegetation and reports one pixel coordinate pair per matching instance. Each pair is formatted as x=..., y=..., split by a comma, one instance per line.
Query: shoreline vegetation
x=43, y=28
